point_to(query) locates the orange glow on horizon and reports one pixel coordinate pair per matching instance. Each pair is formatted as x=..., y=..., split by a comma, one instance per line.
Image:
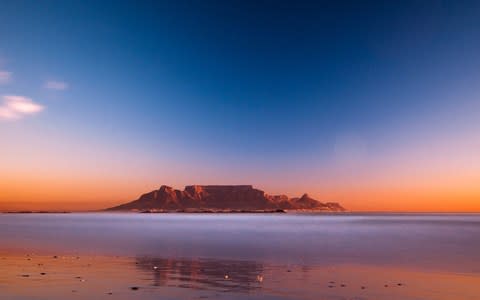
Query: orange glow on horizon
x=99, y=193
x=422, y=180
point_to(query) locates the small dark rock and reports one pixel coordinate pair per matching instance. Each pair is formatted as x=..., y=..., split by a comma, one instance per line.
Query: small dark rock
x=134, y=288
x=43, y=273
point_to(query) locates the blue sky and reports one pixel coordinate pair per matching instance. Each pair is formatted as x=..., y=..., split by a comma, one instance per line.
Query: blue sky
x=236, y=91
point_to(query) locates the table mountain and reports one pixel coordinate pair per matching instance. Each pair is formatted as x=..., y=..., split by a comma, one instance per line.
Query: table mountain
x=222, y=198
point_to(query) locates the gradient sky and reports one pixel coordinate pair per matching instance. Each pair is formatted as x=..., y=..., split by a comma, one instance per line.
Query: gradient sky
x=374, y=105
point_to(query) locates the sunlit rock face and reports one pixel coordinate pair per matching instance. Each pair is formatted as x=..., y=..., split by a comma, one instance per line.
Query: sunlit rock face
x=223, y=198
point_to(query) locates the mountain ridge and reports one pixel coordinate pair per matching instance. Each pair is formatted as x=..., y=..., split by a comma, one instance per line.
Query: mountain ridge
x=222, y=198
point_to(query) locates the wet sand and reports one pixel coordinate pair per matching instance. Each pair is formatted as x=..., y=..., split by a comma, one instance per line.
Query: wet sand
x=107, y=277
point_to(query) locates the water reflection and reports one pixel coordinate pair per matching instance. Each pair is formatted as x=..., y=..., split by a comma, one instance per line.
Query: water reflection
x=203, y=274
x=150, y=278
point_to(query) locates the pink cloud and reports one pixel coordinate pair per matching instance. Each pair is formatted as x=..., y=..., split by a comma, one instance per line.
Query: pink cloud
x=56, y=85
x=17, y=107
x=5, y=77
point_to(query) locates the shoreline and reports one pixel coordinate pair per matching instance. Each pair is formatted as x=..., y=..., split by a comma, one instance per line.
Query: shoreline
x=83, y=276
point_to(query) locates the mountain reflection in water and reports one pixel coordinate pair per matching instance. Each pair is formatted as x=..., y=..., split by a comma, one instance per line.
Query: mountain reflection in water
x=217, y=275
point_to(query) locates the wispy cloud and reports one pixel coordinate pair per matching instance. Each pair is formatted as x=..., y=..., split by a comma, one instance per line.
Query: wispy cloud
x=17, y=107
x=5, y=77
x=56, y=85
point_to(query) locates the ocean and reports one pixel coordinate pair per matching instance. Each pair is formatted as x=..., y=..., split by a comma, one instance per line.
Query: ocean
x=240, y=256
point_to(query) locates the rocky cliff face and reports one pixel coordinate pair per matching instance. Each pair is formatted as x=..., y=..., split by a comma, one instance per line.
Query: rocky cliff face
x=223, y=198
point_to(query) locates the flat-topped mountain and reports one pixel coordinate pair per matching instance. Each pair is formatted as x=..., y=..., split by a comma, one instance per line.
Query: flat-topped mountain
x=221, y=198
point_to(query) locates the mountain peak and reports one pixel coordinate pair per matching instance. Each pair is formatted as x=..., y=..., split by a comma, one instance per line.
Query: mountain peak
x=222, y=198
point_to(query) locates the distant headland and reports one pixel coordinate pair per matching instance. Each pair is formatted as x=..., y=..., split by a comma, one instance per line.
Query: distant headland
x=222, y=198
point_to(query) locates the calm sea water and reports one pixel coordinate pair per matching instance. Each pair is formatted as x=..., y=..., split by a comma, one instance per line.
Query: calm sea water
x=240, y=256
x=449, y=242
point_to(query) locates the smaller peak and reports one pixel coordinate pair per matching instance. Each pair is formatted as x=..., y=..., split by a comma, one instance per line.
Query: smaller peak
x=305, y=198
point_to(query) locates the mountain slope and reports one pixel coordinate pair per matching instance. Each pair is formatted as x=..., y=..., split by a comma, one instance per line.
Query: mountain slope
x=221, y=198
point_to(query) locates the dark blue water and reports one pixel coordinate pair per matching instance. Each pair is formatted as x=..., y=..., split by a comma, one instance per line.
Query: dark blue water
x=449, y=242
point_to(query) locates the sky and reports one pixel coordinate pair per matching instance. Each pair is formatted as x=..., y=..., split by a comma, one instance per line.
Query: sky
x=374, y=105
